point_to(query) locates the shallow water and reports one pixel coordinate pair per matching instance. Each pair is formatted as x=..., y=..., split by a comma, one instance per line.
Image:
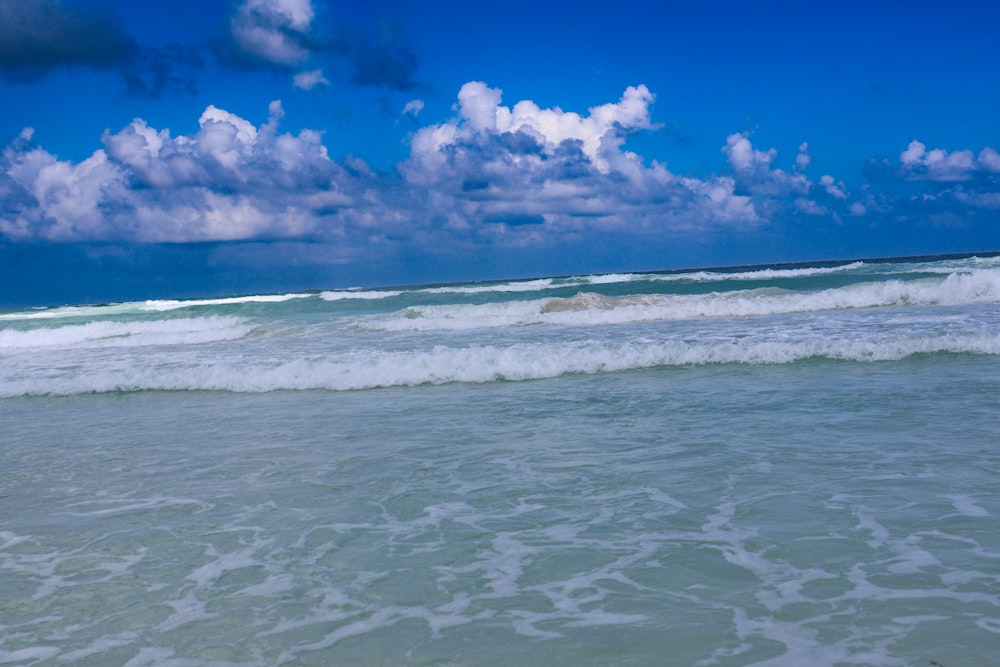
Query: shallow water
x=814, y=510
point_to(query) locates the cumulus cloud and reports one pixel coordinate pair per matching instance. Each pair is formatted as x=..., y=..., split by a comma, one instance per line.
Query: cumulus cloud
x=599, y=135
x=754, y=171
x=493, y=174
x=918, y=163
x=560, y=170
x=948, y=187
x=516, y=175
x=230, y=180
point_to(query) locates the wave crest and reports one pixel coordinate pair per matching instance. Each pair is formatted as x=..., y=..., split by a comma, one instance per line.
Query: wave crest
x=589, y=308
x=193, y=330
x=482, y=364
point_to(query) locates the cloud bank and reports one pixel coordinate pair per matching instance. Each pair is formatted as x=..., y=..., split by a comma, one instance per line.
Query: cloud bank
x=512, y=176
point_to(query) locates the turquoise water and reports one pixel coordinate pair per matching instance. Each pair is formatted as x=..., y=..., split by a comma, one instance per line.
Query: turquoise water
x=755, y=467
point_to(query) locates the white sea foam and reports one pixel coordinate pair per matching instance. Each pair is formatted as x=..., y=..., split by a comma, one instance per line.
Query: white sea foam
x=967, y=506
x=513, y=287
x=542, y=284
x=195, y=330
x=476, y=364
x=360, y=295
x=757, y=274
x=28, y=655
x=615, y=278
x=174, y=304
x=589, y=308
x=134, y=307
x=72, y=312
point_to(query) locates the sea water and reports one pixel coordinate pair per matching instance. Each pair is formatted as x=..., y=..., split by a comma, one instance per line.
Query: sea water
x=761, y=466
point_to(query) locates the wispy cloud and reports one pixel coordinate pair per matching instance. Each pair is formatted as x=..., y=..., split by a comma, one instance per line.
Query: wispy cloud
x=310, y=79
x=275, y=32
x=291, y=34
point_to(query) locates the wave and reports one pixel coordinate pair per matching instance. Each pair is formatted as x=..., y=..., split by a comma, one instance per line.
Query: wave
x=128, y=334
x=73, y=312
x=516, y=286
x=589, y=308
x=616, y=278
x=173, y=304
x=138, y=307
x=366, y=295
x=483, y=364
x=760, y=274
x=544, y=284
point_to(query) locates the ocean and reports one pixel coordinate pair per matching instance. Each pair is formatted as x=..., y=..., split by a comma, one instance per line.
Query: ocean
x=786, y=465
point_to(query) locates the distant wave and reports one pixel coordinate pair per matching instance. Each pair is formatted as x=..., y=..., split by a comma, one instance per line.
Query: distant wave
x=479, y=364
x=760, y=274
x=589, y=308
x=544, y=284
x=73, y=312
x=173, y=304
x=127, y=334
x=132, y=307
x=366, y=295
x=514, y=286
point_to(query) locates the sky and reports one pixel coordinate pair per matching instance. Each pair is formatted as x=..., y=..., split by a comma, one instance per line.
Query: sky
x=172, y=148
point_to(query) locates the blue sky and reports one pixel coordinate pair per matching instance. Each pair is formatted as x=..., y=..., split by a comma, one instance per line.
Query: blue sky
x=186, y=148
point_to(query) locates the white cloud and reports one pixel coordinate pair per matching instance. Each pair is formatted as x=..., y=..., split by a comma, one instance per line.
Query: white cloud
x=832, y=187
x=67, y=197
x=310, y=79
x=413, y=107
x=599, y=133
x=744, y=157
x=754, y=172
x=989, y=160
x=809, y=207
x=230, y=180
x=515, y=175
x=273, y=30
x=917, y=163
x=803, y=159
x=561, y=171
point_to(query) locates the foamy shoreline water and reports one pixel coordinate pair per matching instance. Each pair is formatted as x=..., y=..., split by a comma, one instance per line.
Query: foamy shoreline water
x=770, y=467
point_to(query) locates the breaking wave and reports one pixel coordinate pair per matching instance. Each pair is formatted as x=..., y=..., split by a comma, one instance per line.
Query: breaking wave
x=370, y=369
x=187, y=331
x=589, y=308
